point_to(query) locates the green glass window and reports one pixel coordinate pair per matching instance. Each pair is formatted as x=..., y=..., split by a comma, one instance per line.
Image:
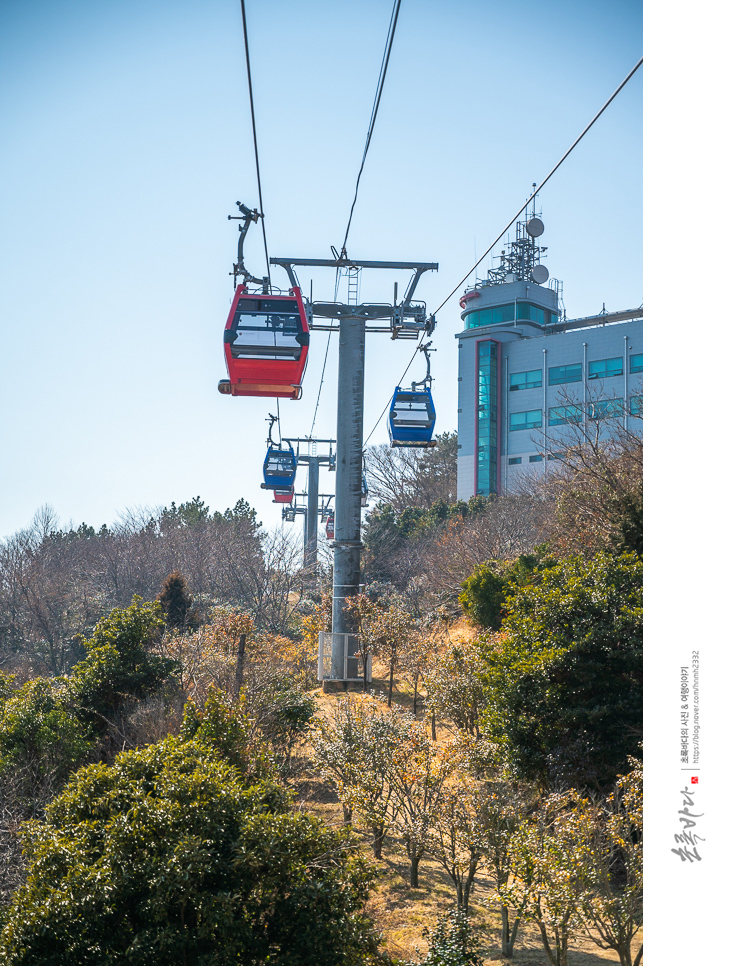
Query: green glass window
x=560, y=415
x=559, y=375
x=515, y=460
x=536, y=459
x=497, y=314
x=535, y=313
x=492, y=316
x=636, y=362
x=606, y=409
x=532, y=312
x=532, y=419
x=487, y=418
x=525, y=380
x=603, y=368
x=636, y=405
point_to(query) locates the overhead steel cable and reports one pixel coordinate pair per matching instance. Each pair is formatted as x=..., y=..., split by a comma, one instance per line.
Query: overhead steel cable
x=374, y=112
x=324, y=364
x=255, y=142
x=545, y=180
x=385, y=408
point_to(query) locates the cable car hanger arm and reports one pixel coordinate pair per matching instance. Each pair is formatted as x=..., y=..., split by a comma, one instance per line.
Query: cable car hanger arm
x=247, y=216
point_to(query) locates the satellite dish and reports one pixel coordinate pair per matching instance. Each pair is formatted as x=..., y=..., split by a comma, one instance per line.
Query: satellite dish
x=540, y=274
x=535, y=227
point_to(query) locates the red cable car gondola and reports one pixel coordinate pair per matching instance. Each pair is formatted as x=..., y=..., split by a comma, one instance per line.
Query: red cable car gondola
x=265, y=342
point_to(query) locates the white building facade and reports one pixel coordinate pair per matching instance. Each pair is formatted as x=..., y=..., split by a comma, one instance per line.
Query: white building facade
x=528, y=377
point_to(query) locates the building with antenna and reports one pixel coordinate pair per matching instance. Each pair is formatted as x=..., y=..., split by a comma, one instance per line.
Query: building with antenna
x=529, y=377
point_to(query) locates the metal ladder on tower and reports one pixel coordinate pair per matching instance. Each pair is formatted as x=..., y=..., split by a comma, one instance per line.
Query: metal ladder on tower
x=353, y=284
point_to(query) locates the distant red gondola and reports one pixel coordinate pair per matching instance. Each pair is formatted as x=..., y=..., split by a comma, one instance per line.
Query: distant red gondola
x=265, y=342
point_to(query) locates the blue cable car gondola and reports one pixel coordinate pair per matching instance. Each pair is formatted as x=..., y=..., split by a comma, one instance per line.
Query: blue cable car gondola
x=412, y=416
x=280, y=468
x=280, y=465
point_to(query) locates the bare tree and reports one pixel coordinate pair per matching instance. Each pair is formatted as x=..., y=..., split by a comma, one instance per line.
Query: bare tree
x=507, y=527
x=593, y=475
x=413, y=477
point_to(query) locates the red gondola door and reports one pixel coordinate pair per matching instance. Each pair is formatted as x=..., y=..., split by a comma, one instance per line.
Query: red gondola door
x=265, y=341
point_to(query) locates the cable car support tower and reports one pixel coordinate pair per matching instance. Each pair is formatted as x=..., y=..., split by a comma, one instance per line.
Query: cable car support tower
x=313, y=461
x=406, y=320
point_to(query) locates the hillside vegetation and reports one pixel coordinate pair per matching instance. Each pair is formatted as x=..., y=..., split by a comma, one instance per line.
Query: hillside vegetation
x=177, y=789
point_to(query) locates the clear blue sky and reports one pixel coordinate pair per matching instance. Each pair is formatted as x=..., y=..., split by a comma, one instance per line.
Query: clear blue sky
x=127, y=141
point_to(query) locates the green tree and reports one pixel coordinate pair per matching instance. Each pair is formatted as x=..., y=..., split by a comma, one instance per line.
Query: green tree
x=385, y=628
x=418, y=776
x=50, y=725
x=549, y=856
x=455, y=685
x=176, y=602
x=354, y=749
x=486, y=589
x=188, y=514
x=41, y=738
x=613, y=907
x=482, y=596
x=118, y=665
x=451, y=943
x=564, y=679
x=167, y=857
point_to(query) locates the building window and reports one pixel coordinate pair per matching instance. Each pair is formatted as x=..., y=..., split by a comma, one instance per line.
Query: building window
x=559, y=375
x=525, y=380
x=636, y=405
x=636, y=362
x=532, y=419
x=560, y=415
x=499, y=314
x=556, y=456
x=535, y=313
x=536, y=459
x=603, y=368
x=606, y=409
x=515, y=460
x=487, y=418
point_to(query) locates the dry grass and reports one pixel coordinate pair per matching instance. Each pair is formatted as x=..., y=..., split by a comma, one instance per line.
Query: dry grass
x=402, y=913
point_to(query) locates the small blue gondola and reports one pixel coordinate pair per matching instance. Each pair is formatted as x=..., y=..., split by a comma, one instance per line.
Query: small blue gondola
x=412, y=418
x=280, y=468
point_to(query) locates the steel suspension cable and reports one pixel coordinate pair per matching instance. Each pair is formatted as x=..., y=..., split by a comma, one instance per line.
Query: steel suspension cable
x=373, y=114
x=545, y=180
x=324, y=364
x=376, y=105
x=534, y=193
x=255, y=141
x=385, y=408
